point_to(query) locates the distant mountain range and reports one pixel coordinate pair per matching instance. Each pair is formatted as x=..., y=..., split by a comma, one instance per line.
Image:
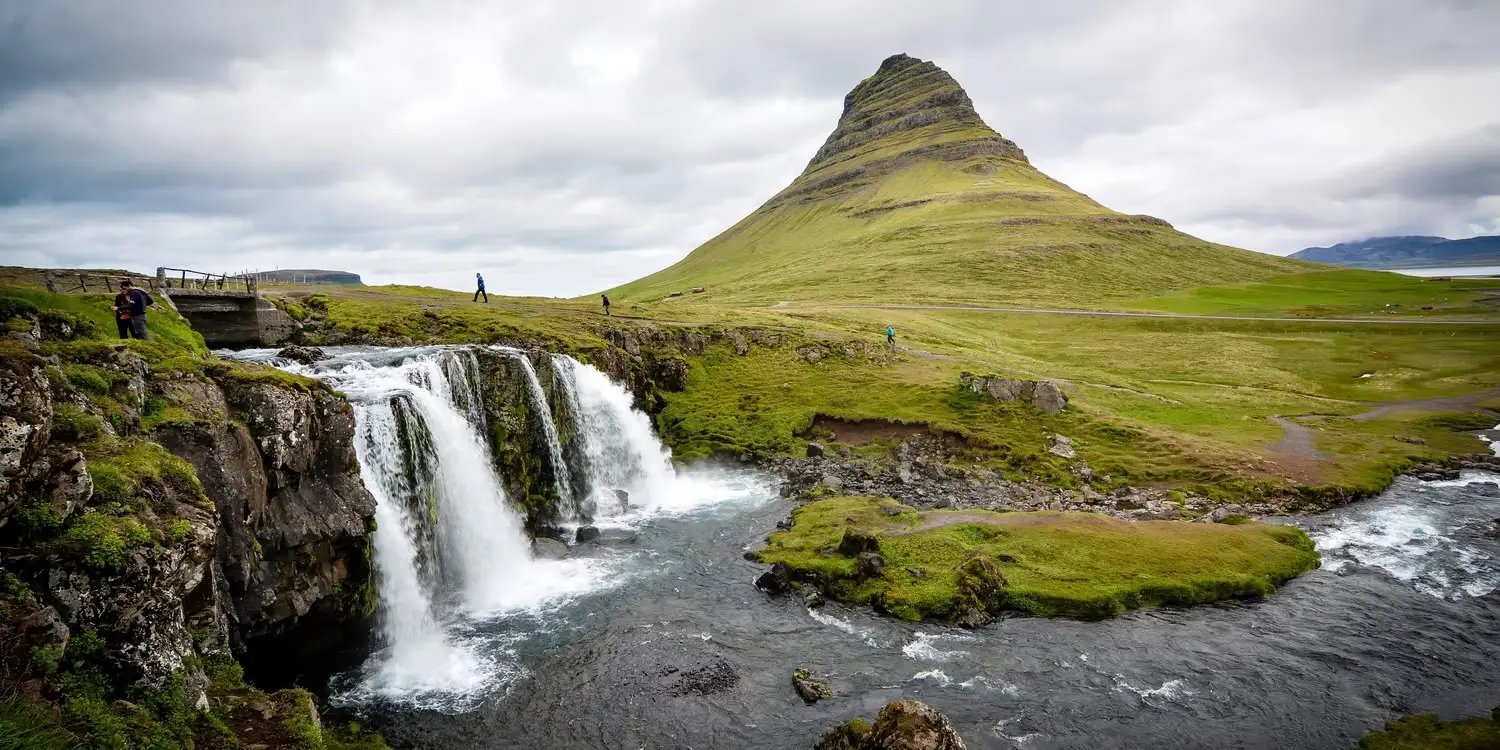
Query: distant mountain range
x=1408, y=252
x=311, y=276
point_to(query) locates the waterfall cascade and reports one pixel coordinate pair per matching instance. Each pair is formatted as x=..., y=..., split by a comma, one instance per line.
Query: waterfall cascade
x=450, y=548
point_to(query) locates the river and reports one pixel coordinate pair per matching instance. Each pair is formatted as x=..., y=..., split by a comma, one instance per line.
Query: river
x=664, y=642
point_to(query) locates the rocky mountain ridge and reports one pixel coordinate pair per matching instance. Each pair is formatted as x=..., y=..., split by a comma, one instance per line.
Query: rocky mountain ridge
x=1407, y=252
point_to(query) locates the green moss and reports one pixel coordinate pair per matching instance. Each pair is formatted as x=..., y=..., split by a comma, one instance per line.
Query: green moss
x=1072, y=564
x=1428, y=732
x=38, y=520
x=179, y=530
x=1236, y=519
x=46, y=659
x=133, y=472
x=245, y=372
x=71, y=423
x=103, y=539
x=15, y=307
x=90, y=379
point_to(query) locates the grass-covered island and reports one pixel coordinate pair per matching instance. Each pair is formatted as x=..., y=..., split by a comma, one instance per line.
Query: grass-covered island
x=1428, y=732
x=967, y=566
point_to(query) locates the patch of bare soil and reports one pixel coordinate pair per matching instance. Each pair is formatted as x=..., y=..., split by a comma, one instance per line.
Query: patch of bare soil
x=1043, y=518
x=1466, y=402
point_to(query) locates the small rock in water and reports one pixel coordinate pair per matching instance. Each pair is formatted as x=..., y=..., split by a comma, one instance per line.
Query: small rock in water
x=548, y=549
x=777, y=580
x=587, y=534
x=303, y=354
x=811, y=597
x=624, y=498
x=810, y=687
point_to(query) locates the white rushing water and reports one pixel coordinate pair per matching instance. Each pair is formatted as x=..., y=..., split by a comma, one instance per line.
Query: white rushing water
x=1441, y=543
x=450, y=549
x=560, y=474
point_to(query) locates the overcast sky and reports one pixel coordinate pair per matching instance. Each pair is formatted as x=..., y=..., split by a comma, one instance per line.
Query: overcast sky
x=569, y=145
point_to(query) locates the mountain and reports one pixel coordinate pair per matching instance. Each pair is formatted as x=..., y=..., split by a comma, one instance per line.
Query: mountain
x=1408, y=252
x=914, y=199
x=311, y=276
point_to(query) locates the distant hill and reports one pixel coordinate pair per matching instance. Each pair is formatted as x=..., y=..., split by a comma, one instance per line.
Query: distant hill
x=914, y=199
x=311, y=276
x=1408, y=252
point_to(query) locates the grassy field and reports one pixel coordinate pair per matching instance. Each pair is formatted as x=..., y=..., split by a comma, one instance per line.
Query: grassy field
x=1076, y=564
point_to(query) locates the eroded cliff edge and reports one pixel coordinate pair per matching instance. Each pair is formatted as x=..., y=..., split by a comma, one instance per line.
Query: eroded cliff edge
x=162, y=515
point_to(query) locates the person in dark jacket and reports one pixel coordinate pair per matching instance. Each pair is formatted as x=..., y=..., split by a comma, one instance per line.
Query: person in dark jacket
x=480, y=281
x=606, y=305
x=121, y=307
x=130, y=311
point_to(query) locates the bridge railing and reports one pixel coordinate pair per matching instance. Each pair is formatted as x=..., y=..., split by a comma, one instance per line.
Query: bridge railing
x=186, y=278
x=93, y=282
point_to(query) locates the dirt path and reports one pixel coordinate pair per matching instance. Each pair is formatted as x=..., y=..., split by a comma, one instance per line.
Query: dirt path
x=1297, y=440
x=1116, y=314
x=1466, y=402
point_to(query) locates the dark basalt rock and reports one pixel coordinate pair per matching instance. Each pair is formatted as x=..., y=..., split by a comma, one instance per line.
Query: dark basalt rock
x=586, y=534
x=303, y=354
x=777, y=580
x=856, y=542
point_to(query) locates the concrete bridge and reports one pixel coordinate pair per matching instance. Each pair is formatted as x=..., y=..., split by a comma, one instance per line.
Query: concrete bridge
x=228, y=311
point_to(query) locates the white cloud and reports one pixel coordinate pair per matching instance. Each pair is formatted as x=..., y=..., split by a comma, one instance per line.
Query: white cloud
x=565, y=147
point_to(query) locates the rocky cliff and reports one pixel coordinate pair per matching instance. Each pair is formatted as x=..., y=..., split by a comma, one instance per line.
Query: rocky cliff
x=161, y=513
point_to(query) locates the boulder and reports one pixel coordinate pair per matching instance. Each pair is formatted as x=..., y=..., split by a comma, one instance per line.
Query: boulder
x=903, y=725
x=856, y=542
x=303, y=354
x=1062, y=447
x=624, y=498
x=810, y=354
x=981, y=592
x=812, y=598
x=815, y=450
x=777, y=580
x=548, y=549
x=586, y=534
x=737, y=340
x=1049, y=398
x=870, y=565
x=811, y=687
x=1009, y=389
x=912, y=725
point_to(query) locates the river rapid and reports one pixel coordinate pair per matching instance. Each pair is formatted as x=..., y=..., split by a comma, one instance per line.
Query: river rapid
x=661, y=640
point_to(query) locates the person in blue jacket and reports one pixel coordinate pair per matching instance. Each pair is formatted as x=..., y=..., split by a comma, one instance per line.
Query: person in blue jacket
x=480, y=281
x=890, y=336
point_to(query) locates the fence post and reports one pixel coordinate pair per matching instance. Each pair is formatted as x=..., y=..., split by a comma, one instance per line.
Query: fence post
x=161, y=278
x=253, y=284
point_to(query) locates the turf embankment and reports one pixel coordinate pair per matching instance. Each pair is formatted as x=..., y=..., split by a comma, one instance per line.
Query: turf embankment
x=1053, y=563
x=1428, y=732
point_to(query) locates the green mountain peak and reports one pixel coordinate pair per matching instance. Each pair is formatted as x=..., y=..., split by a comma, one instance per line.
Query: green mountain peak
x=914, y=199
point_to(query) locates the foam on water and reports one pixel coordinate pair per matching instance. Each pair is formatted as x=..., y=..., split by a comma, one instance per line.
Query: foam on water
x=1442, y=545
x=934, y=676
x=923, y=647
x=864, y=634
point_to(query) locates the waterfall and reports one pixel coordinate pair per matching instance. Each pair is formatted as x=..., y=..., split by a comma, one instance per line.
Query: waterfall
x=560, y=474
x=451, y=558
x=618, y=447
x=449, y=546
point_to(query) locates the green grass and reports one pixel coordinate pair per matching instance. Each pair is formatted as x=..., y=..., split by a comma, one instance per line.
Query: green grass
x=1341, y=293
x=1428, y=732
x=1073, y=564
x=24, y=725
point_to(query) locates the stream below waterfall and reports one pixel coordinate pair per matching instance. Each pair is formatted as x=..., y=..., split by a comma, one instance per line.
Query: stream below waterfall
x=659, y=639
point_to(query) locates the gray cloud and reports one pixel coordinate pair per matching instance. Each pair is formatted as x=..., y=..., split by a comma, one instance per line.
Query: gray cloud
x=568, y=146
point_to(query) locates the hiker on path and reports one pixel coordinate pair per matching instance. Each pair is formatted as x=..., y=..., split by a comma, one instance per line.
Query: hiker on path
x=480, y=281
x=606, y=305
x=130, y=311
x=890, y=336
